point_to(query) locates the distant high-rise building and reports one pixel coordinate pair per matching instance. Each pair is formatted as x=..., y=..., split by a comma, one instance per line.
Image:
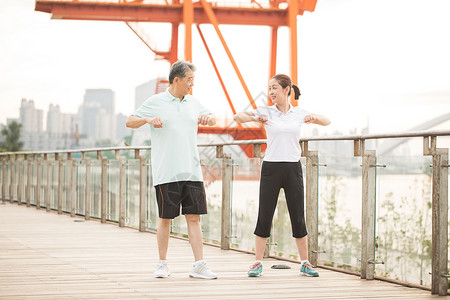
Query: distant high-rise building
x=60, y=131
x=67, y=123
x=104, y=97
x=88, y=113
x=143, y=91
x=57, y=122
x=106, y=127
x=30, y=117
x=53, y=119
x=150, y=88
x=97, y=114
x=121, y=130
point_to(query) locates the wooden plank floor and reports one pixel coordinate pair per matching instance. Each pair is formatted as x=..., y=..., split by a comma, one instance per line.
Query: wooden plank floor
x=49, y=256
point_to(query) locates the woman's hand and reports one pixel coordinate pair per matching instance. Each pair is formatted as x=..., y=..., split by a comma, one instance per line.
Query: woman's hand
x=310, y=119
x=316, y=119
x=261, y=119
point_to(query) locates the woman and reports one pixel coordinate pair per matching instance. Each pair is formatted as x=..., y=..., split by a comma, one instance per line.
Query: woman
x=281, y=167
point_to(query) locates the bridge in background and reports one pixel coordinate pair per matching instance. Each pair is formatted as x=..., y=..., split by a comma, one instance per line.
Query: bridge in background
x=390, y=145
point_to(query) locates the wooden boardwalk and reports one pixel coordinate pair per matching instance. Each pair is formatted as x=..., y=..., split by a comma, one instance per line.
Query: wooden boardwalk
x=49, y=256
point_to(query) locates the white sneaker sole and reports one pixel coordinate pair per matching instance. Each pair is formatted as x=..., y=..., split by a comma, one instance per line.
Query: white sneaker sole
x=307, y=275
x=195, y=275
x=162, y=276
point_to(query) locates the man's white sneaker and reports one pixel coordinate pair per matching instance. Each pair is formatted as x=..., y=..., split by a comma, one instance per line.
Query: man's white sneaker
x=200, y=270
x=162, y=271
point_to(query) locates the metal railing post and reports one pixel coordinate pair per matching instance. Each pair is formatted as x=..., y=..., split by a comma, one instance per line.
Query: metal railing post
x=87, y=194
x=439, y=213
x=142, y=193
x=439, y=239
x=73, y=187
x=19, y=186
x=104, y=185
x=368, y=214
x=12, y=165
x=312, y=204
x=38, y=182
x=227, y=177
x=28, y=190
x=49, y=185
x=4, y=161
x=122, y=191
x=60, y=183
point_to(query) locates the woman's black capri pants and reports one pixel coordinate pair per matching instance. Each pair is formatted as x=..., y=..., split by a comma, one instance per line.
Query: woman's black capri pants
x=274, y=176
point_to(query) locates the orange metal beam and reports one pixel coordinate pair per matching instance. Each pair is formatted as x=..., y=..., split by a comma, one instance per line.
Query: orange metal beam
x=244, y=133
x=308, y=5
x=172, y=13
x=218, y=74
x=213, y=20
x=292, y=21
x=273, y=57
x=188, y=19
x=159, y=54
x=199, y=13
x=174, y=44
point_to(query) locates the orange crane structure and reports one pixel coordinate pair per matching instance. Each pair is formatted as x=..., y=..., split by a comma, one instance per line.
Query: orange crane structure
x=273, y=13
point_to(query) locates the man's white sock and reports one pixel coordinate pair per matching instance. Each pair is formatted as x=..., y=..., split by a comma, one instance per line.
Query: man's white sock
x=199, y=262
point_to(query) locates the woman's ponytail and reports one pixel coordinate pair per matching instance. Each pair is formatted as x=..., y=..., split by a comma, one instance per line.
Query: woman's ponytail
x=296, y=92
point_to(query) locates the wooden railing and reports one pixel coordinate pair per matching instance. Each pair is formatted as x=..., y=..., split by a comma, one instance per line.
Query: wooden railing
x=15, y=187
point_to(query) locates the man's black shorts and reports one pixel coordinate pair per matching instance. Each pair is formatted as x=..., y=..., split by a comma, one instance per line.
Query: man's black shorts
x=189, y=194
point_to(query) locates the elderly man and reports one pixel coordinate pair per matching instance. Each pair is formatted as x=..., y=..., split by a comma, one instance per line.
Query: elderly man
x=174, y=116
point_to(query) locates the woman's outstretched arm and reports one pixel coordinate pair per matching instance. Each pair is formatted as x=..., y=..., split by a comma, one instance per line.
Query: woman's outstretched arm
x=317, y=119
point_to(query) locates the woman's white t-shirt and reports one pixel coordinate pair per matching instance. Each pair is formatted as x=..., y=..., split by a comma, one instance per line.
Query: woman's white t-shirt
x=283, y=132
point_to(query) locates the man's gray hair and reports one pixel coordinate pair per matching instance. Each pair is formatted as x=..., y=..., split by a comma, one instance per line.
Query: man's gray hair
x=179, y=69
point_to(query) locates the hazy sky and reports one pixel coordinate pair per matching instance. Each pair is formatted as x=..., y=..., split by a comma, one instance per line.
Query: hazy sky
x=386, y=61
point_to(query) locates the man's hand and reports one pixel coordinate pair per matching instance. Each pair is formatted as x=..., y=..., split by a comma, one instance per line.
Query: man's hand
x=155, y=121
x=261, y=119
x=204, y=119
x=310, y=119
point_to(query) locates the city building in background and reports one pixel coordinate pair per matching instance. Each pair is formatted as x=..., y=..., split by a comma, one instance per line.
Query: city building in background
x=103, y=97
x=121, y=130
x=59, y=123
x=58, y=133
x=64, y=131
x=143, y=91
x=31, y=118
x=95, y=124
x=32, y=131
x=97, y=115
x=148, y=89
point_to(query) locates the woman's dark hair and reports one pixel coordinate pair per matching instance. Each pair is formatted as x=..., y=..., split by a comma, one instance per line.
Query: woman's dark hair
x=285, y=81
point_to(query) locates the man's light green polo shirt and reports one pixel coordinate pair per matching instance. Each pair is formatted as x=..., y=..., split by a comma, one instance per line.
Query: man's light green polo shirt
x=174, y=153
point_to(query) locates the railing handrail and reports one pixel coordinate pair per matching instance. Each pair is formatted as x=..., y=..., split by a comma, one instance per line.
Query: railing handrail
x=252, y=142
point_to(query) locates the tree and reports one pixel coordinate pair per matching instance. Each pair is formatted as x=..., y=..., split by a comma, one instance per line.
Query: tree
x=11, y=135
